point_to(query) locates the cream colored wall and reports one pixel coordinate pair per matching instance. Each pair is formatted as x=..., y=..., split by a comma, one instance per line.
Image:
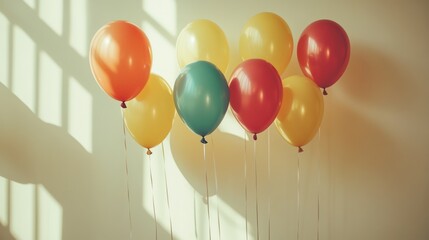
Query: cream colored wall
x=62, y=173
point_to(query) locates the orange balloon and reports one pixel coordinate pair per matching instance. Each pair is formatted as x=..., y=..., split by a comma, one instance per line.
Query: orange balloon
x=121, y=59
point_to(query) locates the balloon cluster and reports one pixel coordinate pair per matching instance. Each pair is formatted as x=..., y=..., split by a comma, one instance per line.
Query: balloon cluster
x=121, y=60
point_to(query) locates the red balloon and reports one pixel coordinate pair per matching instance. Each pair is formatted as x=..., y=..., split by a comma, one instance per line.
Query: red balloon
x=323, y=52
x=121, y=59
x=256, y=94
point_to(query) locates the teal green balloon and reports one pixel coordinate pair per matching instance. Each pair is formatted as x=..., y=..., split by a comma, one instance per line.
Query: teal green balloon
x=201, y=97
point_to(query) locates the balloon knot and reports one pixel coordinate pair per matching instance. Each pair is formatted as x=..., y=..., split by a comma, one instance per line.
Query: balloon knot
x=149, y=152
x=255, y=137
x=300, y=149
x=325, y=92
x=123, y=105
x=203, y=140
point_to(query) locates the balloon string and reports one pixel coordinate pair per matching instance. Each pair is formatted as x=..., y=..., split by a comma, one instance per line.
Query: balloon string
x=318, y=190
x=127, y=175
x=298, y=200
x=256, y=190
x=166, y=192
x=207, y=192
x=245, y=184
x=269, y=186
x=153, y=197
x=195, y=216
x=216, y=188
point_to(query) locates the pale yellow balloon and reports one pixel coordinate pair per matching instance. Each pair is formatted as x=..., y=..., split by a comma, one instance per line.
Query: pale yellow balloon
x=203, y=40
x=267, y=36
x=301, y=111
x=149, y=116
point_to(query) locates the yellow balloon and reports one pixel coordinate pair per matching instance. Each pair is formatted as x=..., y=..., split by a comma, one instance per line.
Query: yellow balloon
x=203, y=40
x=301, y=111
x=267, y=36
x=149, y=116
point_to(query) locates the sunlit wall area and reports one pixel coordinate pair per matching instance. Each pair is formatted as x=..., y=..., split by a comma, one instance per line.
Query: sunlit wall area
x=51, y=13
x=4, y=208
x=78, y=26
x=22, y=211
x=160, y=24
x=50, y=216
x=50, y=90
x=80, y=114
x=23, y=82
x=5, y=29
x=69, y=169
x=41, y=123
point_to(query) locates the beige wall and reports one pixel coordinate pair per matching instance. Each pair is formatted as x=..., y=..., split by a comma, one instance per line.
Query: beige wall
x=62, y=173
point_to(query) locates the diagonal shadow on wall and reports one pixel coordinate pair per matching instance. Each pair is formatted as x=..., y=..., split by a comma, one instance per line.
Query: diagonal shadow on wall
x=85, y=184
